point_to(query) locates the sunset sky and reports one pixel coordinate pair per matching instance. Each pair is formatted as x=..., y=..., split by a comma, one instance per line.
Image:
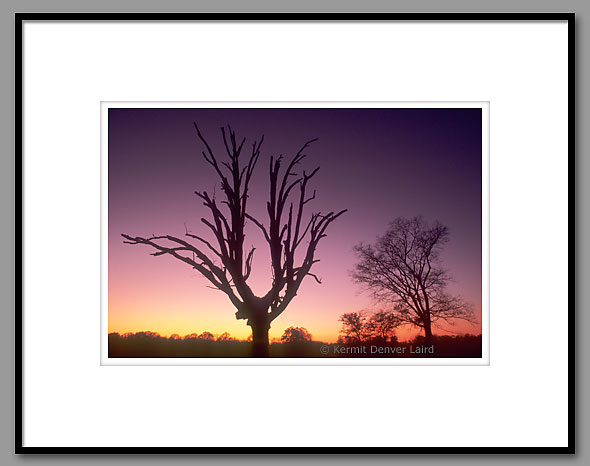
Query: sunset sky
x=377, y=163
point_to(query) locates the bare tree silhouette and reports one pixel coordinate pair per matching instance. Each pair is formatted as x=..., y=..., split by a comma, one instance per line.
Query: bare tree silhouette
x=354, y=326
x=404, y=267
x=226, y=264
x=382, y=324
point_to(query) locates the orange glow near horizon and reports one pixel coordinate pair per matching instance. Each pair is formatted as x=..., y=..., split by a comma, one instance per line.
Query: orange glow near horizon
x=157, y=298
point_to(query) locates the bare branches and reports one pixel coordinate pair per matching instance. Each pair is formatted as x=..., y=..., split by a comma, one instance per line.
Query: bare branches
x=259, y=225
x=315, y=277
x=205, y=242
x=284, y=233
x=249, y=264
x=206, y=267
x=450, y=308
x=294, y=275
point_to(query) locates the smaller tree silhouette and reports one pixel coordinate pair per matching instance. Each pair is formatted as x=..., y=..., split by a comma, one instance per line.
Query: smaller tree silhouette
x=354, y=326
x=381, y=325
x=296, y=335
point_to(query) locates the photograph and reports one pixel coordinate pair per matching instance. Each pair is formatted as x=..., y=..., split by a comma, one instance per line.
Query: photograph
x=221, y=213
x=294, y=232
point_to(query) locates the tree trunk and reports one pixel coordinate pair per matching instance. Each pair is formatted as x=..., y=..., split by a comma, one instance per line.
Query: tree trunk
x=260, y=327
x=427, y=333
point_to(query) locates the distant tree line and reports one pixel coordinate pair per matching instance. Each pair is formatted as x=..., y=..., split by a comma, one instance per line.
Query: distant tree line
x=361, y=327
x=293, y=345
x=290, y=335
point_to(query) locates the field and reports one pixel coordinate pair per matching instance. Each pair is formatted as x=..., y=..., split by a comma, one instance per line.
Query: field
x=151, y=345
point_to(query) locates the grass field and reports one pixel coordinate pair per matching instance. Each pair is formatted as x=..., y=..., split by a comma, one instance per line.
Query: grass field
x=151, y=345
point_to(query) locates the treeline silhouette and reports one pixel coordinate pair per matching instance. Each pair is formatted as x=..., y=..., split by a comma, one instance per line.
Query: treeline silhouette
x=297, y=344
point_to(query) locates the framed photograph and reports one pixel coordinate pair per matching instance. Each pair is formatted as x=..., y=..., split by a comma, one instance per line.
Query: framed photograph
x=262, y=241
x=216, y=205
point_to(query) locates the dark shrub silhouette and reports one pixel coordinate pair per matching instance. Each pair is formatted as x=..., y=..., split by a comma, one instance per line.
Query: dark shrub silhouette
x=295, y=335
x=206, y=336
x=225, y=337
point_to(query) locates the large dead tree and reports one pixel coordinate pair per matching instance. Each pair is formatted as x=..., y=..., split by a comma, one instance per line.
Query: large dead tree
x=404, y=268
x=224, y=262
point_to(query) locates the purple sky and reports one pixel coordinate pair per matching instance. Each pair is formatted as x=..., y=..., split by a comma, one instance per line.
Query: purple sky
x=377, y=163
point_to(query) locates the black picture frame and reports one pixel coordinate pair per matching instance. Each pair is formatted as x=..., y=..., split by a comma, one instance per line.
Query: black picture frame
x=521, y=17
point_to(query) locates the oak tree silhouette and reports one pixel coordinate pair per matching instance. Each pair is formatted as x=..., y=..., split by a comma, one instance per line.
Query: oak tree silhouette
x=404, y=267
x=225, y=262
